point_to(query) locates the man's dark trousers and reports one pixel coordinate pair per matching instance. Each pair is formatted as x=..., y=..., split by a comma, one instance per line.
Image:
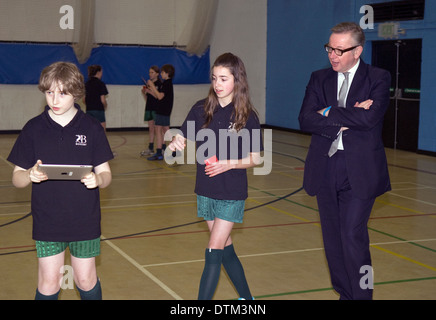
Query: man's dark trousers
x=344, y=221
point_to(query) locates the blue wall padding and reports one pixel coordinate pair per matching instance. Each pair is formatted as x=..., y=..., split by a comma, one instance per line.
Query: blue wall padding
x=122, y=65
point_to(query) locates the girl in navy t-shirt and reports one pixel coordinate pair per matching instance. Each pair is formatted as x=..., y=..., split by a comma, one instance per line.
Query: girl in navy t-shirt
x=229, y=120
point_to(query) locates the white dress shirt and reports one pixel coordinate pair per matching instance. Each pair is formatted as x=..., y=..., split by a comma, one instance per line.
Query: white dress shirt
x=341, y=79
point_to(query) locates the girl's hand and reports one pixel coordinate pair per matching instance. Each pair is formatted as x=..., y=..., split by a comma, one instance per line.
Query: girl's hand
x=218, y=167
x=221, y=166
x=145, y=89
x=150, y=85
x=178, y=143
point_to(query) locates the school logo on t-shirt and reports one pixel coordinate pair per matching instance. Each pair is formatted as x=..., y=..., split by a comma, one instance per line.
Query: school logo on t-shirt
x=231, y=127
x=81, y=140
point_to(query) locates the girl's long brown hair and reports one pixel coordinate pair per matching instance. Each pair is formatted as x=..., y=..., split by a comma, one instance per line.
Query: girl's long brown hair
x=241, y=97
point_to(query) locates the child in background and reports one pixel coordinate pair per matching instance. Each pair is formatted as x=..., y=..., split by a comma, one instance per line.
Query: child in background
x=96, y=92
x=165, y=106
x=65, y=213
x=221, y=187
x=151, y=104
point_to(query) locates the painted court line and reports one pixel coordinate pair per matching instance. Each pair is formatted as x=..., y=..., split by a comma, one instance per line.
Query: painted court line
x=413, y=199
x=331, y=289
x=285, y=252
x=143, y=270
x=7, y=162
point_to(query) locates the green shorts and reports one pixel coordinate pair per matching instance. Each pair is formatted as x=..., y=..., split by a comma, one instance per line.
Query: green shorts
x=149, y=115
x=229, y=210
x=78, y=249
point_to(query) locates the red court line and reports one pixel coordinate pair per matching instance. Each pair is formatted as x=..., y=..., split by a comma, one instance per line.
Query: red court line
x=389, y=164
x=122, y=143
x=266, y=226
x=237, y=228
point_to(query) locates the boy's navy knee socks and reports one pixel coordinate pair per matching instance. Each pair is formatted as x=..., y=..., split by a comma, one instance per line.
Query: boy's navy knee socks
x=93, y=294
x=236, y=273
x=40, y=296
x=211, y=273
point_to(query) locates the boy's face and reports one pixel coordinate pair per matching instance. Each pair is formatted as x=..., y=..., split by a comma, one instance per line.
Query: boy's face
x=58, y=101
x=164, y=75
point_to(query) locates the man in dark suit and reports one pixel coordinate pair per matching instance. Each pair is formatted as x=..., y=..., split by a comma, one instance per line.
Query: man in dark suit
x=346, y=165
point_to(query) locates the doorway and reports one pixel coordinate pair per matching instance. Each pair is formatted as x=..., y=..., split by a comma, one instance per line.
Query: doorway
x=402, y=58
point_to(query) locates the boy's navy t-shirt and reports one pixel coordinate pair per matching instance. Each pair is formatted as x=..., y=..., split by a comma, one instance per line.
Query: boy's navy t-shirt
x=63, y=210
x=165, y=106
x=225, y=143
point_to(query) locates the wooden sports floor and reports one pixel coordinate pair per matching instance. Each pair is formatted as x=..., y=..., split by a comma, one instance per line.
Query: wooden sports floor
x=153, y=244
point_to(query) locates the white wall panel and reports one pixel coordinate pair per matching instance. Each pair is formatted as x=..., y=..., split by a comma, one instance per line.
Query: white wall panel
x=34, y=20
x=239, y=28
x=126, y=106
x=147, y=22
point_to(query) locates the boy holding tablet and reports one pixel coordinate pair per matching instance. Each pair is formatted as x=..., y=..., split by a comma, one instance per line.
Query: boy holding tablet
x=65, y=213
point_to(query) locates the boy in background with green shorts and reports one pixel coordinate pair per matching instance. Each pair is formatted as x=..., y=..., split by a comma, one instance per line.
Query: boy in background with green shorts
x=66, y=213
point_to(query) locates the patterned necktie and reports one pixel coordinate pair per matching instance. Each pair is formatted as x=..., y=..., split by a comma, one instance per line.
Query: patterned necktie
x=341, y=104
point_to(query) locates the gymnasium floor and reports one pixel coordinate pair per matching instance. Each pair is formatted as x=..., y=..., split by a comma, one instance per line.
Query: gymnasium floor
x=153, y=243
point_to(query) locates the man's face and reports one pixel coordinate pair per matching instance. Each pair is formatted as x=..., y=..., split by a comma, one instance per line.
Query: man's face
x=348, y=59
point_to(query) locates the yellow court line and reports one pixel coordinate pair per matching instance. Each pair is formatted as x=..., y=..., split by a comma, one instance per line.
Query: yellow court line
x=175, y=171
x=319, y=225
x=402, y=208
x=374, y=246
x=145, y=207
x=7, y=162
x=290, y=175
x=404, y=257
x=284, y=212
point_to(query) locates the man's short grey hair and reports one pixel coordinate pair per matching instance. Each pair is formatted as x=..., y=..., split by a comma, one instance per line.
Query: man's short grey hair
x=353, y=28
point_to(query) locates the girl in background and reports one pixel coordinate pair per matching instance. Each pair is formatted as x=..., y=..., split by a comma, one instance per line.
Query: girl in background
x=151, y=105
x=96, y=92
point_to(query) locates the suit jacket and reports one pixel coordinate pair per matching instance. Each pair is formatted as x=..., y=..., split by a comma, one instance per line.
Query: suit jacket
x=364, y=150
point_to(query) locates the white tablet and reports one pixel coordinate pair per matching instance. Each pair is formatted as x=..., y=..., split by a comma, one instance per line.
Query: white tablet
x=64, y=171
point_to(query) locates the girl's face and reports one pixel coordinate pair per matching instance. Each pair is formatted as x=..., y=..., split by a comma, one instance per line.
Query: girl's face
x=153, y=75
x=223, y=83
x=59, y=102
